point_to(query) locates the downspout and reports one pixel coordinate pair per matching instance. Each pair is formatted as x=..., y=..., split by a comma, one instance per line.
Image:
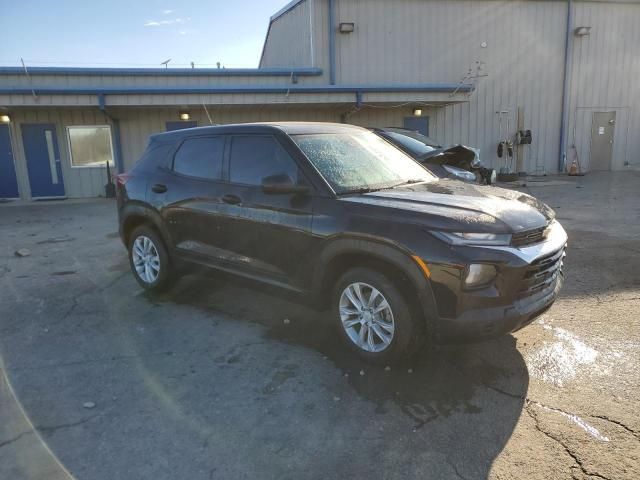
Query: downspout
x=332, y=42
x=564, y=120
x=117, y=151
x=312, y=21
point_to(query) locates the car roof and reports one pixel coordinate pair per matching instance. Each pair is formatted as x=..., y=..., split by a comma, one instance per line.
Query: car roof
x=290, y=128
x=409, y=133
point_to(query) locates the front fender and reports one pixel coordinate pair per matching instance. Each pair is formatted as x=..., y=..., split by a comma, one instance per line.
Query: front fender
x=379, y=249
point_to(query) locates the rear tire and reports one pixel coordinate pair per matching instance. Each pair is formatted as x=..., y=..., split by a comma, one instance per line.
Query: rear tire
x=149, y=259
x=375, y=319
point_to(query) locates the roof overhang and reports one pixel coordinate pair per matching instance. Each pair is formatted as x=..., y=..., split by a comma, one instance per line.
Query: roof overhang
x=257, y=94
x=163, y=72
x=287, y=89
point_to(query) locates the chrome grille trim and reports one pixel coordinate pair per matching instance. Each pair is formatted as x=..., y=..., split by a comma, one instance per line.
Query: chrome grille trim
x=542, y=273
x=529, y=237
x=556, y=238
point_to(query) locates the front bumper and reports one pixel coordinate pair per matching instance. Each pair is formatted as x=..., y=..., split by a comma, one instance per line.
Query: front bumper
x=528, y=283
x=486, y=323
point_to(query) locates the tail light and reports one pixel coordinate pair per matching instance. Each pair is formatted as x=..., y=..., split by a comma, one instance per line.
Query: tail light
x=122, y=179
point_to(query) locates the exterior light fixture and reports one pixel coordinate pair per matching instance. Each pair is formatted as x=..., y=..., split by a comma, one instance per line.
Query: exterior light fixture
x=184, y=116
x=582, y=31
x=5, y=118
x=417, y=112
x=347, y=27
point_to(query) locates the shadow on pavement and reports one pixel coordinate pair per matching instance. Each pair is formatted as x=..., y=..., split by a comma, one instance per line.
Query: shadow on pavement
x=452, y=408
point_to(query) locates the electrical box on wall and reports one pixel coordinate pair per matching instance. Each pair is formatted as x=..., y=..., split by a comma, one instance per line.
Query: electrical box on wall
x=523, y=137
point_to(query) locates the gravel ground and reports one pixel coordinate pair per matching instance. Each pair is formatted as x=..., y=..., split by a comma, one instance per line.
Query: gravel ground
x=221, y=379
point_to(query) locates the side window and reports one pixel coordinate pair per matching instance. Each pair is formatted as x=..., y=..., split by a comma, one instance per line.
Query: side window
x=254, y=158
x=200, y=157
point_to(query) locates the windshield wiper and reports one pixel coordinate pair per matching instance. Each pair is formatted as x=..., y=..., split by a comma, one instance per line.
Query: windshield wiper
x=372, y=189
x=406, y=182
x=360, y=190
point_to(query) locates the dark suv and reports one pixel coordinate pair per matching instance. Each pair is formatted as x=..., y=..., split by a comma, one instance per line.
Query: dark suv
x=335, y=212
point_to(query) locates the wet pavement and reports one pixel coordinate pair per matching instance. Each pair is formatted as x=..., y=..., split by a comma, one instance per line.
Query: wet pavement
x=222, y=379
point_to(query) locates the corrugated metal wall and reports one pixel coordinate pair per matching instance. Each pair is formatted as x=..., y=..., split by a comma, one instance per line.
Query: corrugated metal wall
x=439, y=41
x=406, y=41
x=412, y=41
x=289, y=36
x=605, y=76
x=288, y=43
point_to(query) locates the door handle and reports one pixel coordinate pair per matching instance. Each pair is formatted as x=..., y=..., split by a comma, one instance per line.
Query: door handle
x=232, y=199
x=159, y=188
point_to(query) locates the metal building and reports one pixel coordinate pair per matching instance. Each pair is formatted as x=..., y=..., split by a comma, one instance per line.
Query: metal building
x=463, y=71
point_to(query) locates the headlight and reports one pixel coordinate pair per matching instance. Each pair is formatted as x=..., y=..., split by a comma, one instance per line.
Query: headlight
x=470, y=238
x=460, y=174
x=479, y=274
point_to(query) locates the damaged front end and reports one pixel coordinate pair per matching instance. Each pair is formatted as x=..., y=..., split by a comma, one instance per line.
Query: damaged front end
x=459, y=162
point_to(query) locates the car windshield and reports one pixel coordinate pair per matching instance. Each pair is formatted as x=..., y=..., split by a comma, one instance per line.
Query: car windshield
x=414, y=146
x=362, y=161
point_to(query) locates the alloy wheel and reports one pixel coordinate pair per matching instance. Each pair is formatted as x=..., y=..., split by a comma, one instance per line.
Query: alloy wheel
x=366, y=317
x=146, y=259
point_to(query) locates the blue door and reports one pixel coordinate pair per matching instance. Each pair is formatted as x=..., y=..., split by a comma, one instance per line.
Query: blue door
x=8, y=180
x=43, y=160
x=417, y=124
x=180, y=125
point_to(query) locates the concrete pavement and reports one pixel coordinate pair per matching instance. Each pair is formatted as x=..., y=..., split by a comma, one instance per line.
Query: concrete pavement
x=209, y=381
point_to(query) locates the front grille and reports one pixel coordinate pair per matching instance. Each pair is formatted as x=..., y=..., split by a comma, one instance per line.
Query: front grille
x=529, y=237
x=541, y=274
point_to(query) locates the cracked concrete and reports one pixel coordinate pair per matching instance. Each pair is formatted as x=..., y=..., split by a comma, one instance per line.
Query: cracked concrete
x=207, y=381
x=619, y=423
x=15, y=439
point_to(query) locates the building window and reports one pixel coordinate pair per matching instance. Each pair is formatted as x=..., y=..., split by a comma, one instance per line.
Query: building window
x=90, y=145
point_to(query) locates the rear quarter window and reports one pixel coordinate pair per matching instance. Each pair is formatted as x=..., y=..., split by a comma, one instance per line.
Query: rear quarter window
x=155, y=155
x=200, y=157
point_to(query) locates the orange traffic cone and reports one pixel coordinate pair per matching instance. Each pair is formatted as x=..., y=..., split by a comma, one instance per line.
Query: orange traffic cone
x=574, y=168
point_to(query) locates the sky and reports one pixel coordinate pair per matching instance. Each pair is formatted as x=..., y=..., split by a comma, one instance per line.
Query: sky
x=141, y=33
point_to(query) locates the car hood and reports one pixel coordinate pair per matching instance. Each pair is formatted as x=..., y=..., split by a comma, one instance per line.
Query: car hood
x=452, y=155
x=457, y=206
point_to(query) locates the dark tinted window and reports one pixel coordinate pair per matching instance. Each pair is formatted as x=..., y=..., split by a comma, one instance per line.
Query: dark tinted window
x=200, y=157
x=413, y=146
x=254, y=158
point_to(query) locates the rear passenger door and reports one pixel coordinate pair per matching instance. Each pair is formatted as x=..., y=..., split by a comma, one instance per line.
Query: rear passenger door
x=192, y=196
x=269, y=234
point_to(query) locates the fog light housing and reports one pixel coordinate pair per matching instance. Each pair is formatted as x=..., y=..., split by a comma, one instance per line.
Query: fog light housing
x=479, y=274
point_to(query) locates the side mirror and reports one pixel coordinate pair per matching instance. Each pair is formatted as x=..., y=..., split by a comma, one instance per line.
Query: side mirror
x=282, y=185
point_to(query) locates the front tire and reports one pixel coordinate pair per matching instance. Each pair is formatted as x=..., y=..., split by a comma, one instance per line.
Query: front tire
x=374, y=318
x=149, y=260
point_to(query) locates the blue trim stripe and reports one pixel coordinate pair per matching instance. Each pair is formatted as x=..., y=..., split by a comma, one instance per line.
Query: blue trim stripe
x=166, y=72
x=427, y=87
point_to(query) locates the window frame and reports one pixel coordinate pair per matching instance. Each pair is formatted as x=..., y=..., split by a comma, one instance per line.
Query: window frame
x=302, y=176
x=112, y=163
x=176, y=149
